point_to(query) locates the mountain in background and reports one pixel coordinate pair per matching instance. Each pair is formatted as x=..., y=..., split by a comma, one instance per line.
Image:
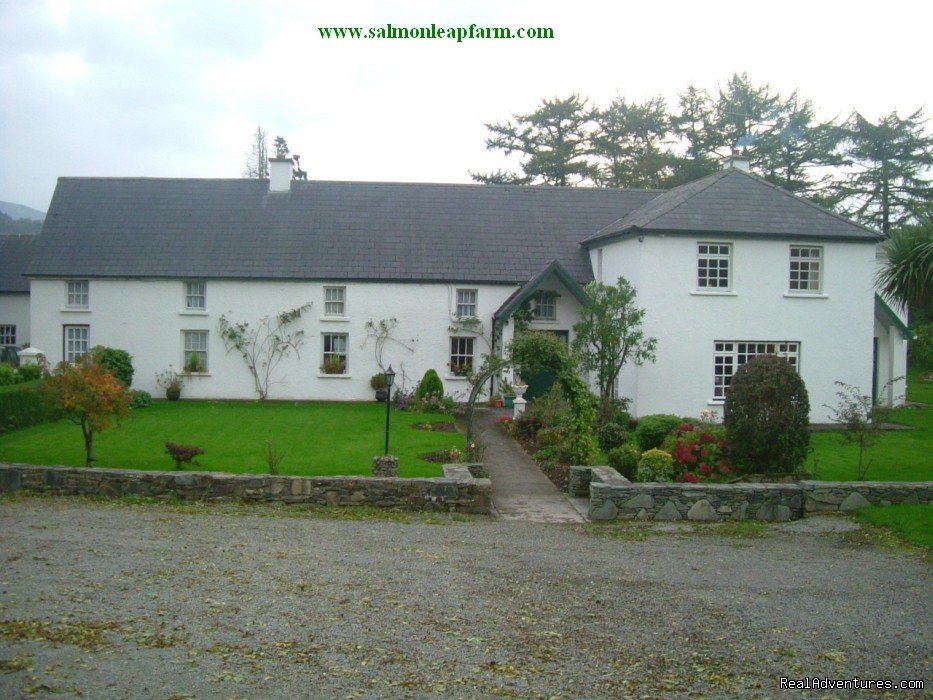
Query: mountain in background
x=17, y=218
x=20, y=211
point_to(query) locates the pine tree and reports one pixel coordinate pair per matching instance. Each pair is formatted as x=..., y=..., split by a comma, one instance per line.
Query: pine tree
x=633, y=142
x=796, y=146
x=743, y=113
x=555, y=139
x=694, y=124
x=890, y=182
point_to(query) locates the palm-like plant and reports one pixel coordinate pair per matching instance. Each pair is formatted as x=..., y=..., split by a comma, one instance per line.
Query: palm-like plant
x=905, y=274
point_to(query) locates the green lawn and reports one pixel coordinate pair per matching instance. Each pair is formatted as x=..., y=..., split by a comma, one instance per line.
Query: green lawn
x=900, y=455
x=913, y=524
x=317, y=438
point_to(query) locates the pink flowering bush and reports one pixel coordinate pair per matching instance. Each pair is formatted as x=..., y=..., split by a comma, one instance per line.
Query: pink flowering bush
x=700, y=452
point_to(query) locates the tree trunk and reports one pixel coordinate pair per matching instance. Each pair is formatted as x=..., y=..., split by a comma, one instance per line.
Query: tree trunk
x=88, y=443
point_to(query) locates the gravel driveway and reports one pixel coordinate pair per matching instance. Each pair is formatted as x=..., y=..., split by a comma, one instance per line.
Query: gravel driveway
x=112, y=600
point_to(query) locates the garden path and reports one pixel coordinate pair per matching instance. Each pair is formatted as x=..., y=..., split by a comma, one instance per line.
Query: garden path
x=520, y=491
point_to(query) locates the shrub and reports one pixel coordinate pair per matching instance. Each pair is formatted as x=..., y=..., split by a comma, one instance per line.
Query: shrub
x=8, y=375
x=29, y=373
x=24, y=405
x=431, y=385
x=117, y=362
x=182, y=454
x=921, y=348
x=436, y=403
x=527, y=425
x=141, y=399
x=612, y=435
x=624, y=459
x=768, y=417
x=378, y=381
x=615, y=410
x=700, y=452
x=655, y=465
x=652, y=430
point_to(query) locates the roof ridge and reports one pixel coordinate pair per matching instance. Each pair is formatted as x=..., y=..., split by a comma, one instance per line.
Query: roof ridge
x=472, y=185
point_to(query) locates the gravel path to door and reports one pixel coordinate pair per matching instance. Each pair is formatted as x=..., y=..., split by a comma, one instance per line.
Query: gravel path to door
x=109, y=600
x=520, y=491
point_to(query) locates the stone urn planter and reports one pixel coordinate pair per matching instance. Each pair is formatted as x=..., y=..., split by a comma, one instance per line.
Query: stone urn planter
x=173, y=393
x=382, y=395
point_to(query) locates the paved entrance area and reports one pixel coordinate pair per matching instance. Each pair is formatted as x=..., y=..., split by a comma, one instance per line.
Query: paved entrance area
x=520, y=491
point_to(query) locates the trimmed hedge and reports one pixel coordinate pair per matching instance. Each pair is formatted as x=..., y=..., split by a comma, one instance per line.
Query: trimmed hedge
x=431, y=385
x=22, y=405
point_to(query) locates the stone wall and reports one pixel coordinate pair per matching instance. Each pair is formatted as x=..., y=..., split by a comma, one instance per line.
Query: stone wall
x=456, y=491
x=613, y=497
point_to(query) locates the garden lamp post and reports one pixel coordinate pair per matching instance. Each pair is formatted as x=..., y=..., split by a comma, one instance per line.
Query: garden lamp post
x=390, y=380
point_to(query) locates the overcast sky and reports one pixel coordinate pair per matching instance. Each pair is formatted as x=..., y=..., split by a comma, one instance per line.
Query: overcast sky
x=174, y=89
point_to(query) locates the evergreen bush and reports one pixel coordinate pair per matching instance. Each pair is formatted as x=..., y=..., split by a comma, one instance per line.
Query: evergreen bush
x=624, y=459
x=767, y=417
x=655, y=465
x=651, y=430
x=612, y=435
x=117, y=362
x=431, y=385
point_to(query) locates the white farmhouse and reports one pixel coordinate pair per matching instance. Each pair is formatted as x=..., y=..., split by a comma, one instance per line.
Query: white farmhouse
x=15, y=255
x=727, y=267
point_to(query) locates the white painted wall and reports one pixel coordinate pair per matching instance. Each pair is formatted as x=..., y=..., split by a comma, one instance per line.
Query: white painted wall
x=834, y=328
x=892, y=360
x=147, y=318
x=14, y=310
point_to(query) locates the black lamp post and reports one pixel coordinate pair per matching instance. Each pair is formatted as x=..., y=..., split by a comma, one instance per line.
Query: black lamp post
x=390, y=380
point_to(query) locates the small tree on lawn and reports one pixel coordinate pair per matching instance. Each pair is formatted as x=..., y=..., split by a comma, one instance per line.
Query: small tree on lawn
x=609, y=333
x=861, y=420
x=264, y=345
x=89, y=395
x=767, y=416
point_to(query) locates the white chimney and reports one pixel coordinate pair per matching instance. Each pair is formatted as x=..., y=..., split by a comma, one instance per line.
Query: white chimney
x=737, y=162
x=280, y=173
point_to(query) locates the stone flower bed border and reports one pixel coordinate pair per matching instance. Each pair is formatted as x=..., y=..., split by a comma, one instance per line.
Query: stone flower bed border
x=613, y=497
x=457, y=491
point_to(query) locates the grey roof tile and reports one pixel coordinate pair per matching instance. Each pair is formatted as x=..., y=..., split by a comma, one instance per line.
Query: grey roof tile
x=16, y=253
x=320, y=230
x=736, y=202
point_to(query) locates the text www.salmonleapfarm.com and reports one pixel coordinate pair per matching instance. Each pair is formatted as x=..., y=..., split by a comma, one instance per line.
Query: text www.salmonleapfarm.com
x=435, y=32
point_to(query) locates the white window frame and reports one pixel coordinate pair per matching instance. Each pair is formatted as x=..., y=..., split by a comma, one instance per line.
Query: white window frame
x=542, y=302
x=730, y=355
x=195, y=341
x=712, y=259
x=76, y=342
x=8, y=334
x=467, y=303
x=806, y=270
x=335, y=301
x=340, y=350
x=195, y=295
x=78, y=294
x=462, y=354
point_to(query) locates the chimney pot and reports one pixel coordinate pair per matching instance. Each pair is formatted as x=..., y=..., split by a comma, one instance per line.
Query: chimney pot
x=737, y=162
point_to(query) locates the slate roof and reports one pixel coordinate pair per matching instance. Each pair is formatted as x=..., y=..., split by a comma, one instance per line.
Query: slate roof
x=735, y=202
x=182, y=228
x=16, y=253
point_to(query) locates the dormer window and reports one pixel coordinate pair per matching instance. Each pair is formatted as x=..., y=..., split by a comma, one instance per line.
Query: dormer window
x=545, y=306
